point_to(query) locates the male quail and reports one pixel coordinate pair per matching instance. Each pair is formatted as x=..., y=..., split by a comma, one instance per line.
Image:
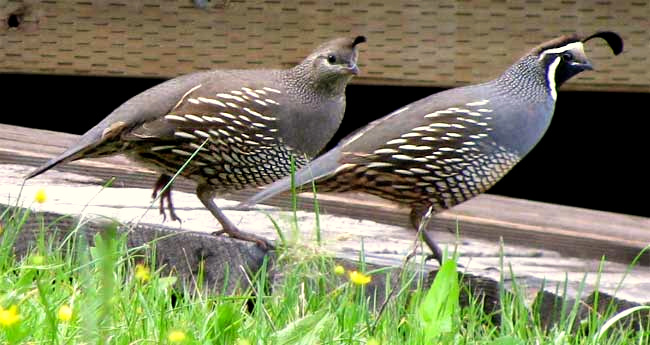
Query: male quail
x=243, y=125
x=451, y=146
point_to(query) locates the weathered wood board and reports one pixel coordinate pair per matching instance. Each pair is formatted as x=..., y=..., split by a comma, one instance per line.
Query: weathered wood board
x=76, y=189
x=428, y=43
x=229, y=267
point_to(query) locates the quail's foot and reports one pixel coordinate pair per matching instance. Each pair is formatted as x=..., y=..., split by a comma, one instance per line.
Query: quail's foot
x=162, y=181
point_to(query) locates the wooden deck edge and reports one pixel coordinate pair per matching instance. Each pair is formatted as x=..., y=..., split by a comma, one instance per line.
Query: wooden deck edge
x=568, y=230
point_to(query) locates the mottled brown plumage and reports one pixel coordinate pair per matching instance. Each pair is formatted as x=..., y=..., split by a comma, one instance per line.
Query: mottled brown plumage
x=239, y=127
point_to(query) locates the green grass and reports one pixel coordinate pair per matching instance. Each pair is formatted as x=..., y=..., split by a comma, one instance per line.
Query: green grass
x=119, y=297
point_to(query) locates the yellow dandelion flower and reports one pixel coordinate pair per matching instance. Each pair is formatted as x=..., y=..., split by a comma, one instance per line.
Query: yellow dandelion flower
x=176, y=336
x=373, y=341
x=1, y=229
x=9, y=317
x=37, y=260
x=142, y=273
x=242, y=341
x=65, y=313
x=40, y=196
x=339, y=270
x=359, y=278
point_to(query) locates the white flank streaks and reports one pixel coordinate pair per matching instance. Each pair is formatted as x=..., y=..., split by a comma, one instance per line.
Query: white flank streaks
x=227, y=115
x=415, y=148
x=175, y=118
x=478, y=103
x=385, y=151
x=181, y=152
x=271, y=90
x=396, y=141
x=160, y=148
x=201, y=133
x=212, y=119
x=194, y=118
x=403, y=157
x=185, y=135
x=212, y=101
x=254, y=113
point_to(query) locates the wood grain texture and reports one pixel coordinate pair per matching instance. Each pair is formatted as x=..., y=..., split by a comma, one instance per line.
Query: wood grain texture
x=435, y=43
x=526, y=227
x=568, y=230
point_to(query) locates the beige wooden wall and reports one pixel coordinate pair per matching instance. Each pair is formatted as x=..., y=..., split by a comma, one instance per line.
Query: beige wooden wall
x=434, y=43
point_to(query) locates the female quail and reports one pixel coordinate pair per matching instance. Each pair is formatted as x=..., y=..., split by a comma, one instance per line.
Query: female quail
x=243, y=125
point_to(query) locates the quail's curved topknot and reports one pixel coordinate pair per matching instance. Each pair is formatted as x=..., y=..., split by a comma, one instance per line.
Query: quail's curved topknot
x=358, y=39
x=613, y=39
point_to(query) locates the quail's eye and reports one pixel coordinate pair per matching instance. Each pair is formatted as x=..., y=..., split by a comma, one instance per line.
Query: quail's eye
x=567, y=56
x=331, y=58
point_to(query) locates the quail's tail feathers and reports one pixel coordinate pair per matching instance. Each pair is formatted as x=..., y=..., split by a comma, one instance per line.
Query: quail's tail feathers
x=316, y=169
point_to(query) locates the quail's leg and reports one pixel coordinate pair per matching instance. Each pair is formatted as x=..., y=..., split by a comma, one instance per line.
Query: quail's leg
x=206, y=195
x=417, y=215
x=166, y=195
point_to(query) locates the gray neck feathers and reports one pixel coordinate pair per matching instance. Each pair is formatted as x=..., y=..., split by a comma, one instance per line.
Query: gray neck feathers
x=526, y=105
x=525, y=80
x=309, y=86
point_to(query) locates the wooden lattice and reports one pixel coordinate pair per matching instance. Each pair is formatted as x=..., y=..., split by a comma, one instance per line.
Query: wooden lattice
x=434, y=43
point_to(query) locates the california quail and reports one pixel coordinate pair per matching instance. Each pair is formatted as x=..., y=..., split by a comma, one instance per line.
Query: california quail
x=451, y=146
x=242, y=126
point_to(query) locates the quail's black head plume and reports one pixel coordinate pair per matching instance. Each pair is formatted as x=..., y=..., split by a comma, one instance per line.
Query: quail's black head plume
x=451, y=146
x=244, y=125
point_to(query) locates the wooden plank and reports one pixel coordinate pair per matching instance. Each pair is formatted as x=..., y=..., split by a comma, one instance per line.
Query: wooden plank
x=435, y=43
x=567, y=230
x=76, y=189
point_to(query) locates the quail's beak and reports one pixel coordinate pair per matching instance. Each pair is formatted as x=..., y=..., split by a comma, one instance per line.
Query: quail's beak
x=581, y=61
x=583, y=65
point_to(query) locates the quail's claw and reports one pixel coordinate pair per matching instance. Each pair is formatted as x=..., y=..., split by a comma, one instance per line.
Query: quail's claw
x=263, y=243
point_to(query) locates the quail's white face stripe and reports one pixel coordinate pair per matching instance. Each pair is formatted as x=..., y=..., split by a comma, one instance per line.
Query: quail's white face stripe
x=551, y=76
x=558, y=50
